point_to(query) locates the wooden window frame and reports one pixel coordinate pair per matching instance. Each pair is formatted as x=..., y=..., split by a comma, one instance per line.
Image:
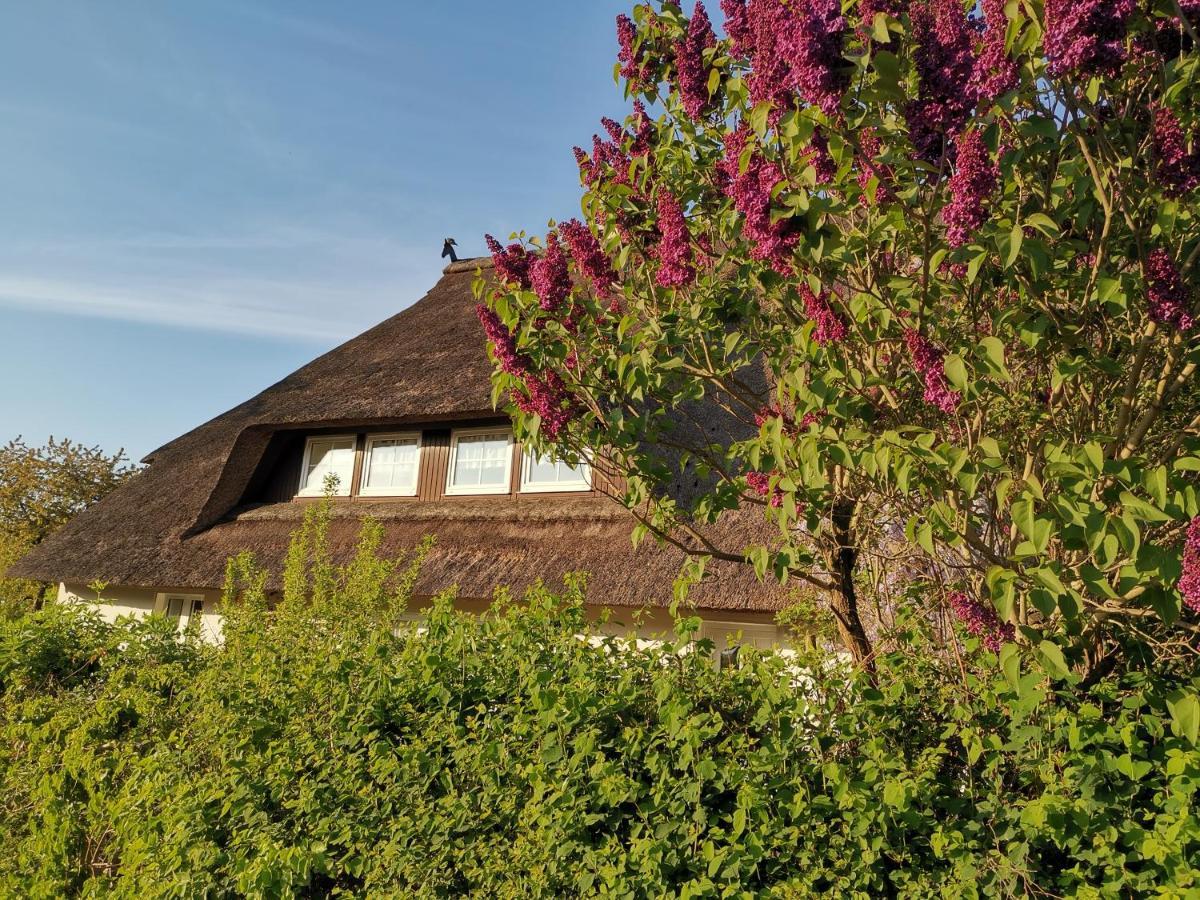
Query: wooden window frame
x=344, y=490
x=162, y=605
x=479, y=490
x=364, y=489
x=557, y=487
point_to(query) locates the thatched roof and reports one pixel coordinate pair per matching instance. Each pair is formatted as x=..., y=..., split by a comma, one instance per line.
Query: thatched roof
x=177, y=521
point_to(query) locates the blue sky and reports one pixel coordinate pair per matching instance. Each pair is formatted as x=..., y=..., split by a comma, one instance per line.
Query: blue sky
x=197, y=198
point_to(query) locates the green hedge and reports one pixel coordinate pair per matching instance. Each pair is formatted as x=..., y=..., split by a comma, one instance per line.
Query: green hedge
x=320, y=751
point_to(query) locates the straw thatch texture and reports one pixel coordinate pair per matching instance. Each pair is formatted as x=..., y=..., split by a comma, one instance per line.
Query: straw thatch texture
x=177, y=521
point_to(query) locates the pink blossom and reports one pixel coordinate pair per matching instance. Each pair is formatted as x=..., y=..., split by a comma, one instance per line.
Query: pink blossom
x=1170, y=36
x=674, y=251
x=589, y=256
x=643, y=137
x=1189, y=580
x=545, y=396
x=512, y=265
x=1086, y=37
x=689, y=62
x=549, y=277
x=1178, y=169
x=981, y=621
x=504, y=345
x=945, y=64
x=995, y=72
x=615, y=131
x=928, y=363
x=751, y=191
x=773, y=411
x=815, y=52
x=794, y=48
x=811, y=418
x=869, y=9
x=633, y=67
x=973, y=182
x=610, y=155
x=830, y=327
x=737, y=26
x=760, y=483
x=1169, y=298
x=819, y=158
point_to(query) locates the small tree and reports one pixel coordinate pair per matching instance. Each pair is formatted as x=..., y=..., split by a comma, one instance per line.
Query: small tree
x=960, y=239
x=40, y=489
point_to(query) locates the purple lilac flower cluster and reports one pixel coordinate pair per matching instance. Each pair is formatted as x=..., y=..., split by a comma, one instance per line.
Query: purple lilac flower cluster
x=674, y=251
x=1087, y=37
x=974, y=179
x=795, y=48
x=1169, y=298
x=819, y=72
x=1189, y=581
x=511, y=264
x=928, y=363
x=589, y=256
x=605, y=154
x=995, y=71
x=633, y=66
x=820, y=159
x=643, y=137
x=1170, y=35
x=945, y=63
x=869, y=9
x=549, y=276
x=750, y=191
x=546, y=396
x=760, y=483
x=773, y=411
x=830, y=327
x=689, y=62
x=1178, y=169
x=981, y=621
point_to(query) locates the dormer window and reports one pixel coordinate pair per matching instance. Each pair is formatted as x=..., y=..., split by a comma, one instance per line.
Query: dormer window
x=324, y=456
x=480, y=461
x=391, y=465
x=542, y=475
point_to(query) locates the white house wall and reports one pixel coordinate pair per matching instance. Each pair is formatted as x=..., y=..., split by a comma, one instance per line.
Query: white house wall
x=722, y=627
x=118, y=602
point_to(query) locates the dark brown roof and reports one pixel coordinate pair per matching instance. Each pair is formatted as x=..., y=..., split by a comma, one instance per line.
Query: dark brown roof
x=176, y=522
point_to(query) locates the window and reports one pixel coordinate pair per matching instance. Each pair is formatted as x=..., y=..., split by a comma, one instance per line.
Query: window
x=183, y=608
x=480, y=461
x=390, y=467
x=326, y=456
x=546, y=474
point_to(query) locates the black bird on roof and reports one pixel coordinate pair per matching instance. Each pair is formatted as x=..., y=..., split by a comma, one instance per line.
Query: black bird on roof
x=448, y=250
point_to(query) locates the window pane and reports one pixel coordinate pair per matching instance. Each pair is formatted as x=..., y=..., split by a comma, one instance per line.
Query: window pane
x=543, y=471
x=547, y=471
x=330, y=457
x=174, y=607
x=393, y=464
x=481, y=460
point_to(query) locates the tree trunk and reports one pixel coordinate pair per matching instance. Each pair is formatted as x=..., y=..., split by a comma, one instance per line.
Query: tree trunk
x=844, y=601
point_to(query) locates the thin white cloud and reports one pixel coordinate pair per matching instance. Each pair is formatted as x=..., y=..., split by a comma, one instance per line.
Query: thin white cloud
x=248, y=310
x=286, y=282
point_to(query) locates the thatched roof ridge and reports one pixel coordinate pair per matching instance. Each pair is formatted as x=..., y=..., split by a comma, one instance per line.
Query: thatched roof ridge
x=176, y=522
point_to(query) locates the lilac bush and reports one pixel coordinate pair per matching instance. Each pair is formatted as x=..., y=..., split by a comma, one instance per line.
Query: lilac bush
x=935, y=263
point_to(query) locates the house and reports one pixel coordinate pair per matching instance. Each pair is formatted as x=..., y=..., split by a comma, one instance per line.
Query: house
x=402, y=415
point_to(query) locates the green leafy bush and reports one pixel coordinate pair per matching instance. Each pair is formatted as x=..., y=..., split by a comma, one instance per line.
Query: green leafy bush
x=326, y=749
